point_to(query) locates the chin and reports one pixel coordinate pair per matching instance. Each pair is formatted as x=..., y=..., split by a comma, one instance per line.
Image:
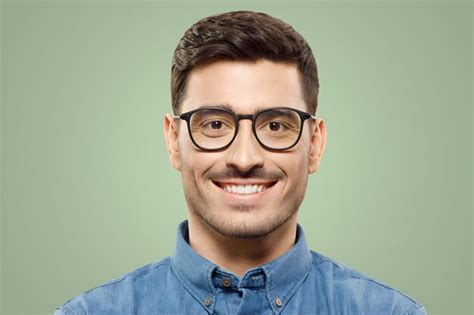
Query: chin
x=244, y=224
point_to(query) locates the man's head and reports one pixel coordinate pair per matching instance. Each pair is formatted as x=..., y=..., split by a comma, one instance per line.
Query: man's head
x=246, y=62
x=246, y=36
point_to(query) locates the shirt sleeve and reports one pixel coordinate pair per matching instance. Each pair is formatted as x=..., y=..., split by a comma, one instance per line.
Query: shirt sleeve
x=417, y=311
x=63, y=311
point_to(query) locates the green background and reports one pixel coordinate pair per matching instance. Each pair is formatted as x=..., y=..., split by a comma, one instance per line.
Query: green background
x=87, y=192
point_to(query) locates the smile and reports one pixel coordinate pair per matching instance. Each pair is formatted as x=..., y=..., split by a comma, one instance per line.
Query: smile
x=244, y=188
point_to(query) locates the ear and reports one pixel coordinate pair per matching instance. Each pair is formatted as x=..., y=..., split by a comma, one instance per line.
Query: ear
x=170, y=132
x=318, y=144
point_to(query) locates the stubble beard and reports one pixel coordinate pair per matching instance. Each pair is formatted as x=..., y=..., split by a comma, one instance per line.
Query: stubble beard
x=249, y=226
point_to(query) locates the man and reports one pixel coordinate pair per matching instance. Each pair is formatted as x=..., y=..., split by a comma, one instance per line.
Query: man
x=244, y=136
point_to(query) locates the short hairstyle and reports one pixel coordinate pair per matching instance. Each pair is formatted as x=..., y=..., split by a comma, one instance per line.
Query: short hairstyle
x=246, y=36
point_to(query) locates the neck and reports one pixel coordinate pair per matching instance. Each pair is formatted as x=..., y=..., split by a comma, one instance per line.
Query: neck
x=240, y=255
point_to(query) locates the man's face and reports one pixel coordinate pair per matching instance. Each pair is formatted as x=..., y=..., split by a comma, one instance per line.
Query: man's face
x=282, y=176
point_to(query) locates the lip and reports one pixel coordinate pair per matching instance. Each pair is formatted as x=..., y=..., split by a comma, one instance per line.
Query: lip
x=250, y=198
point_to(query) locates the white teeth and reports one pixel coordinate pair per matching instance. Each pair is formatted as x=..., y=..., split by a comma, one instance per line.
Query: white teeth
x=244, y=189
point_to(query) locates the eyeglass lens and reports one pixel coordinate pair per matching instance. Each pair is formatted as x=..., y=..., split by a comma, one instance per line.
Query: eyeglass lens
x=215, y=128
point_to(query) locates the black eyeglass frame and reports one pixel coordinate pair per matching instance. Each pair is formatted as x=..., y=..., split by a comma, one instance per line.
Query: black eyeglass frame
x=238, y=117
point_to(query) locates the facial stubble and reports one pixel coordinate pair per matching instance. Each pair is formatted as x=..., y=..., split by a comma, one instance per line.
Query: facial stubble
x=250, y=225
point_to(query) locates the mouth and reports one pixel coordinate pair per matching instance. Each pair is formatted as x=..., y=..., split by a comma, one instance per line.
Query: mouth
x=244, y=187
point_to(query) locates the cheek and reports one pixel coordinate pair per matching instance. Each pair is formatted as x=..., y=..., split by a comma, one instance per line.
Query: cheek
x=298, y=168
x=194, y=164
x=187, y=153
x=302, y=154
x=295, y=164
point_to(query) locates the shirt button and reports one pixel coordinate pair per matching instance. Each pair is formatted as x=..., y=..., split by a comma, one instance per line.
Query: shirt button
x=207, y=301
x=278, y=302
x=226, y=282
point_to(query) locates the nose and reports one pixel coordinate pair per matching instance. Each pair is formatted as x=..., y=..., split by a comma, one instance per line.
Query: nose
x=245, y=152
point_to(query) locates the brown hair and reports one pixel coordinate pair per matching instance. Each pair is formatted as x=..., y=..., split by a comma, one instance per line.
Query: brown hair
x=247, y=36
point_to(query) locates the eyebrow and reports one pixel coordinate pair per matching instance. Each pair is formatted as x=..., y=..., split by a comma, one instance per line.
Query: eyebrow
x=226, y=106
x=218, y=106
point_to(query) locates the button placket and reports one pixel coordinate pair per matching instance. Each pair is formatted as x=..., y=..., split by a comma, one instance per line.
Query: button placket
x=207, y=301
x=278, y=302
x=226, y=282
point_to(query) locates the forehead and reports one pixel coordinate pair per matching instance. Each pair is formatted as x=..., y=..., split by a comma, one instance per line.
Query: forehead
x=244, y=86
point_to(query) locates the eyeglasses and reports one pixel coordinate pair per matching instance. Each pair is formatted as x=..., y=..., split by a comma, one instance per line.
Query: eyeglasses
x=214, y=129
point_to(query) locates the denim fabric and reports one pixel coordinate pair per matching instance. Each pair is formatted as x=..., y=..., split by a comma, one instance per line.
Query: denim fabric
x=298, y=282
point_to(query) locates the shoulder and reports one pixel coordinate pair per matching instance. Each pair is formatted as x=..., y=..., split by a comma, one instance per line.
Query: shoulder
x=118, y=291
x=359, y=292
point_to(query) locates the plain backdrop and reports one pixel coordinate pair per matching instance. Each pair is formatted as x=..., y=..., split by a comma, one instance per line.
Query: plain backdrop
x=87, y=192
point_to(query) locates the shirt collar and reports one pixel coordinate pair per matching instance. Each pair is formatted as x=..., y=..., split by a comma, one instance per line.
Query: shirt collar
x=283, y=275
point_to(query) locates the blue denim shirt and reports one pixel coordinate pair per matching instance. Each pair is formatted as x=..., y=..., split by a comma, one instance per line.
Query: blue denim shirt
x=298, y=282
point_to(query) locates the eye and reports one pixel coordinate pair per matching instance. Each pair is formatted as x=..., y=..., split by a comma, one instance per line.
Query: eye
x=216, y=124
x=274, y=126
